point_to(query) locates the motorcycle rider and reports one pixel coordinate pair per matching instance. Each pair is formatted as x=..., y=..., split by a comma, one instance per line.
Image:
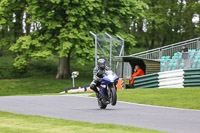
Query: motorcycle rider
x=98, y=72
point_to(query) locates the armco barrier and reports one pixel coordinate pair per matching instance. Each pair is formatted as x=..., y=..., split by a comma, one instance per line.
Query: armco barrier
x=169, y=79
x=192, y=78
x=146, y=81
x=148, y=84
x=171, y=74
x=171, y=83
x=191, y=72
x=145, y=78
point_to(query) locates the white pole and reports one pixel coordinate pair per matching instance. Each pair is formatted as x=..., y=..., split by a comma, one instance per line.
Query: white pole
x=95, y=38
x=73, y=82
x=122, y=49
x=110, y=48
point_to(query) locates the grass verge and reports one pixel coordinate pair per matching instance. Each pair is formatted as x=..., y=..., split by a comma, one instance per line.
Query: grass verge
x=37, y=86
x=187, y=98
x=14, y=123
x=40, y=77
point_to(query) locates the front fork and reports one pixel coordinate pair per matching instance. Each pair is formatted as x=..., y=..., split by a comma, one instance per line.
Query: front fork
x=104, y=88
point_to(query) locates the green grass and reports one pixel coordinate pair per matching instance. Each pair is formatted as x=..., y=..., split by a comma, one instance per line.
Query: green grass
x=32, y=86
x=38, y=85
x=188, y=98
x=6, y=68
x=40, y=77
x=14, y=123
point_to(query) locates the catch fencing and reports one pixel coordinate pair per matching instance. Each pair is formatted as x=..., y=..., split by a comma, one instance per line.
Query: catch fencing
x=108, y=46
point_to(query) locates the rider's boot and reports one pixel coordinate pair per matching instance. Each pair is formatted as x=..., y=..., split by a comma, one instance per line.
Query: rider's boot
x=94, y=88
x=97, y=94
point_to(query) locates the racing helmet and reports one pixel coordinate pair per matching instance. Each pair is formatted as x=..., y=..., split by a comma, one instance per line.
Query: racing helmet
x=101, y=63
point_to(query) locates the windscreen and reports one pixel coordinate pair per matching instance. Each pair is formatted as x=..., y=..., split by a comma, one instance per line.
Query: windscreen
x=110, y=73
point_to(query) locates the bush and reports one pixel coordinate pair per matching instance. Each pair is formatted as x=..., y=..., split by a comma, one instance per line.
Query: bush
x=34, y=69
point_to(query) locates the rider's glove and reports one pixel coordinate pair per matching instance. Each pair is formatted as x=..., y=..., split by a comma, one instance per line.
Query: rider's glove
x=99, y=79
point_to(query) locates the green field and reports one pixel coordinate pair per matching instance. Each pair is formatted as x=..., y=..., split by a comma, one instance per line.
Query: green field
x=172, y=97
x=14, y=123
x=39, y=78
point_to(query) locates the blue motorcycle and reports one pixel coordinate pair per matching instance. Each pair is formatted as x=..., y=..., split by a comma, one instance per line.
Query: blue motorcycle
x=108, y=89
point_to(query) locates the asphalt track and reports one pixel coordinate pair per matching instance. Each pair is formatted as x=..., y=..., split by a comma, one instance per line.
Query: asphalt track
x=81, y=108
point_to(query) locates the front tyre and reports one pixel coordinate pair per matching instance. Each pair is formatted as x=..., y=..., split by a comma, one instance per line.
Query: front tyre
x=101, y=104
x=113, y=96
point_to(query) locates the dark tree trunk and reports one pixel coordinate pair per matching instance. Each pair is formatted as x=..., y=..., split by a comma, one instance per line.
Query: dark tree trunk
x=153, y=34
x=164, y=41
x=5, y=31
x=28, y=25
x=159, y=40
x=140, y=26
x=152, y=43
x=147, y=42
x=18, y=26
x=63, y=68
x=4, y=34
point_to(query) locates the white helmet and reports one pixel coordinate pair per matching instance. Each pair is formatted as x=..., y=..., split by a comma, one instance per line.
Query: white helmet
x=101, y=63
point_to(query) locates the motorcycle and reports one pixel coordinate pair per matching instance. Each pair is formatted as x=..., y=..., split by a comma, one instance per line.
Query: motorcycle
x=108, y=89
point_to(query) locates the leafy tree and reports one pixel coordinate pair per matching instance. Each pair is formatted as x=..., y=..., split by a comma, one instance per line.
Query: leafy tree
x=191, y=8
x=64, y=29
x=166, y=22
x=11, y=21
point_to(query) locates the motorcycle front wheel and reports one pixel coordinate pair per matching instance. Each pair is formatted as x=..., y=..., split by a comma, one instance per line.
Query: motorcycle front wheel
x=113, y=96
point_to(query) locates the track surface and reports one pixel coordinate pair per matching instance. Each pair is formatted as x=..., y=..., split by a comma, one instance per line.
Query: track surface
x=85, y=109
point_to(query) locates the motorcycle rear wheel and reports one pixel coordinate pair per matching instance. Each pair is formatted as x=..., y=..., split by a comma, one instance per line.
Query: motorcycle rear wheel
x=101, y=104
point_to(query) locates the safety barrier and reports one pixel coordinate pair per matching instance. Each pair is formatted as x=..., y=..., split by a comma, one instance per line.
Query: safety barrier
x=170, y=79
x=146, y=81
x=192, y=78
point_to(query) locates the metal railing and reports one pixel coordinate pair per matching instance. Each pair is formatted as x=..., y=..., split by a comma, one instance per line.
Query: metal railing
x=168, y=50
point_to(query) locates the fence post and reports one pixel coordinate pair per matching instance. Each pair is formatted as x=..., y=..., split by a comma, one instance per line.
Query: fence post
x=110, y=48
x=160, y=53
x=198, y=44
x=122, y=49
x=95, y=38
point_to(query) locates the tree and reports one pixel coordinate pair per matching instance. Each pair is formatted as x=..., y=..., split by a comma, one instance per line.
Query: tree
x=11, y=21
x=191, y=8
x=157, y=24
x=64, y=29
x=166, y=22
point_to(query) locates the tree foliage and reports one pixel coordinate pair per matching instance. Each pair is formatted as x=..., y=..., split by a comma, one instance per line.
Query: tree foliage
x=34, y=29
x=167, y=22
x=63, y=26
